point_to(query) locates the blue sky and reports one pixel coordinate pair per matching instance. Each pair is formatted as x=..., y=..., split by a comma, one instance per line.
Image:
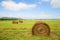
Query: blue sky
x=30, y=9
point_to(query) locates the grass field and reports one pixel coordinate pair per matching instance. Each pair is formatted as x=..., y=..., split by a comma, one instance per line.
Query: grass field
x=22, y=31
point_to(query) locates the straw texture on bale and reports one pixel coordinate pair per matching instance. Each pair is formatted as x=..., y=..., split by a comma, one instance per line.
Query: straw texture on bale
x=41, y=29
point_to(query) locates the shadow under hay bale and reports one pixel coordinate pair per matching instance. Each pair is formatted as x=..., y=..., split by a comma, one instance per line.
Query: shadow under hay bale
x=40, y=29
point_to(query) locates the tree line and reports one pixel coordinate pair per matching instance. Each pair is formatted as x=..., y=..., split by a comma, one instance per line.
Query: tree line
x=10, y=18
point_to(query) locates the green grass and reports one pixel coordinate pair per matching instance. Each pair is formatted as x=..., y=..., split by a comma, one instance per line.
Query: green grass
x=23, y=30
x=27, y=23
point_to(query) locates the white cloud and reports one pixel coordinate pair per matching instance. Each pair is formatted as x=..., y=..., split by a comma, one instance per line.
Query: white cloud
x=11, y=5
x=55, y=3
x=6, y=15
x=43, y=15
x=45, y=0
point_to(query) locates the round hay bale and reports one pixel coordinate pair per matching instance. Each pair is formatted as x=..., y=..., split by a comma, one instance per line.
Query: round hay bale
x=41, y=29
x=20, y=21
x=15, y=22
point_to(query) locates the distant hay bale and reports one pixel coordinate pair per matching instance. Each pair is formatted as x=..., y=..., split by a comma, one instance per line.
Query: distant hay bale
x=20, y=21
x=40, y=29
x=15, y=22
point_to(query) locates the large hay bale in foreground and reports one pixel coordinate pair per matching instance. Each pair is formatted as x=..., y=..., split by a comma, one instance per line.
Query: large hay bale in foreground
x=41, y=29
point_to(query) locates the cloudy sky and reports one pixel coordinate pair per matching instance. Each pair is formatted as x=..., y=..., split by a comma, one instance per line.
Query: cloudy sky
x=30, y=9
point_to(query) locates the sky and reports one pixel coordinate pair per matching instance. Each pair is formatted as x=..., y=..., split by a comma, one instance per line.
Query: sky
x=30, y=9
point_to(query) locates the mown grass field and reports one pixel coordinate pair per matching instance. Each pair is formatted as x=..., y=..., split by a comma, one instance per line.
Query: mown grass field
x=22, y=31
